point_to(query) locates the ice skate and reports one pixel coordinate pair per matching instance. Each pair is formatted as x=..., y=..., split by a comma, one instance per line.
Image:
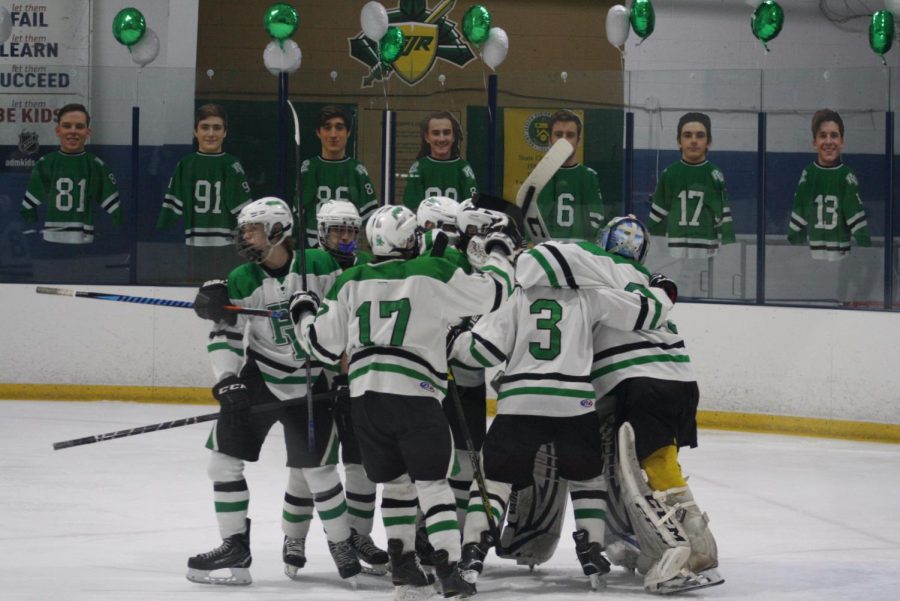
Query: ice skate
x=450, y=577
x=472, y=562
x=411, y=582
x=345, y=559
x=367, y=551
x=293, y=553
x=233, y=554
x=423, y=547
x=594, y=565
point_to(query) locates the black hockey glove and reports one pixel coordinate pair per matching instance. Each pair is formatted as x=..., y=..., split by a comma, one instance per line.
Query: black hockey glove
x=234, y=399
x=211, y=300
x=303, y=302
x=658, y=280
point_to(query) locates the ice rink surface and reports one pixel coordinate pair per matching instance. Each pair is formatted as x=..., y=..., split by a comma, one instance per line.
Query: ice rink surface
x=796, y=519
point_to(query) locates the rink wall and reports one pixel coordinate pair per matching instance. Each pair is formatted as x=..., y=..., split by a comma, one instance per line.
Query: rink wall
x=805, y=371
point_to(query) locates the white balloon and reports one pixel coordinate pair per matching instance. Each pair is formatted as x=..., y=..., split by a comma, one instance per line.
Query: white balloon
x=5, y=24
x=494, y=49
x=374, y=20
x=210, y=73
x=617, y=26
x=442, y=78
x=278, y=60
x=146, y=49
x=564, y=75
x=333, y=75
x=891, y=5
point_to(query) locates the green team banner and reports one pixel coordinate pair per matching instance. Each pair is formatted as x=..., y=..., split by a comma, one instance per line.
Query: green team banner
x=526, y=138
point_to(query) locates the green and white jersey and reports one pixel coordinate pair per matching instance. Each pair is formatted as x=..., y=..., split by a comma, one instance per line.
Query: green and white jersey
x=391, y=318
x=429, y=177
x=828, y=209
x=691, y=206
x=70, y=185
x=269, y=341
x=544, y=335
x=323, y=180
x=208, y=190
x=571, y=204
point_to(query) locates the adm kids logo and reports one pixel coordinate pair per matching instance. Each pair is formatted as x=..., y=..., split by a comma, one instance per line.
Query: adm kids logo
x=428, y=36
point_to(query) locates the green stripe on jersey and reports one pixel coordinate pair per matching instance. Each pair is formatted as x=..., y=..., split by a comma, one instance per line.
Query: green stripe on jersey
x=539, y=257
x=397, y=369
x=599, y=373
x=548, y=391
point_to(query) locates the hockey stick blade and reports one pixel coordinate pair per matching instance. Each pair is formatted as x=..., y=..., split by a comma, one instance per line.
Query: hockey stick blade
x=526, y=198
x=146, y=300
x=187, y=421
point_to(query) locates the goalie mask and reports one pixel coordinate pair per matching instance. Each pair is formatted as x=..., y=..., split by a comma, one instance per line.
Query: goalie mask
x=277, y=224
x=338, y=228
x=626, y=237
x=475, y=221
x=439, y=212
x=392, y=232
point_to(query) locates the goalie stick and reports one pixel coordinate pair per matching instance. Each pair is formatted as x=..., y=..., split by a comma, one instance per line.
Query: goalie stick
x=146, y=300
x=187, y=421
x=526, y=198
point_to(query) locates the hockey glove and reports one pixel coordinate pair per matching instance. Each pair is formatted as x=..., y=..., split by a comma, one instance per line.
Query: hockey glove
x=503, y=235
x=234, y=399
x=211, y=300
x=658, y=280
x=302, y=303
x=452, y=334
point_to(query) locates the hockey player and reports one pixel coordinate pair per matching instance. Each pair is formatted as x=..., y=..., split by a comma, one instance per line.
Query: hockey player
x=439, y=170
x=690, y=202
x=256, y=361
x=545, y=396
x=333, y=175
x=648, y=375
x=387, y=317
x=571, y=204
x=208, y=188
x=70, y=181
x=827, y=208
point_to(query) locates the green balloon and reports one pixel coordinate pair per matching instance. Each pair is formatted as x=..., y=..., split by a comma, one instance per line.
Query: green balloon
x=477, y=24
x=281, y=21
x=881, y=32
x=390, y=45
x=643, y=18
x=767, y=21
x=128, y=26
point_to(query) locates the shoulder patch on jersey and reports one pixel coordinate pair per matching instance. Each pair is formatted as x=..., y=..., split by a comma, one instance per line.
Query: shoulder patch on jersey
x=304, y=166
x=590, y=170
x=414, y=169
x=802, y=177
x=238, y=168
x=469, y=171
x=718, y=176
x=99, y=161
x=851, y=179
x=361, y=169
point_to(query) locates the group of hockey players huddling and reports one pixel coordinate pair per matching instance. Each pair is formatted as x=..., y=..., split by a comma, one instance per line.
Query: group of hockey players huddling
x=595, y=380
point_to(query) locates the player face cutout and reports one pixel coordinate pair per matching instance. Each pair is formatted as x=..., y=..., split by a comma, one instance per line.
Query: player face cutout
x=73, y=132
x=210, y=134
x=828, y=144
x=569, y=131
x=333, y=136
x=693, y=142
x=440, y=138
x=340, y=236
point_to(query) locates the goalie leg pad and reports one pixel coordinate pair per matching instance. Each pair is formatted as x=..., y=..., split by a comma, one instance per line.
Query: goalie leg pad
x=704, y=551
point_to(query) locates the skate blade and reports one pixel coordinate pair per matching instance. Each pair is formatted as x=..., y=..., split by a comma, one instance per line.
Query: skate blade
x=470, y=576
x=598, y=582
x=375, y=570
x=292, y=572
x=238, y=577
x=689, y=582
x=413, y=593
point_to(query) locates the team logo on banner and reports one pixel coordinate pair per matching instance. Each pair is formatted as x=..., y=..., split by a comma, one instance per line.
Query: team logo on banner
x=429, y=36
x=537, y=131
x=28, y=142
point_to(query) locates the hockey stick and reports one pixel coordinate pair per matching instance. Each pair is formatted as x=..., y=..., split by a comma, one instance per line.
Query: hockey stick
x=146, y=300
x=187, y=421
x=310, y=421
x=526, y=198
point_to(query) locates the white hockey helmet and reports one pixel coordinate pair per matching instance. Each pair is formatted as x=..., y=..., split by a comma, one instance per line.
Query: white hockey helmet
x=277, y=220
x=475, y=221
x=338, y=213
x=625, y=236
x=392, y=232
x=440, y=212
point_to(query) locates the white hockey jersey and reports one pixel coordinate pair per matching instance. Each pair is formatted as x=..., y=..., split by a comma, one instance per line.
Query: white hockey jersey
x=392, y=318
x=269, y=341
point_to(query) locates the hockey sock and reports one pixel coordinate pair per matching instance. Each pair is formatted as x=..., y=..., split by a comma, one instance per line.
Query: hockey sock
x=589, y=503
x=298, y=505
x=663, y=471
x=360, y=498
x=230, y=493
x=460, y=483
x=476, y=515
x=328, y=497
x=398, y=511
x=439, y=507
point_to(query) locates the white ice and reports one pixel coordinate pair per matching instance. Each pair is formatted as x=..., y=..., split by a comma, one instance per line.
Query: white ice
x=797, y=519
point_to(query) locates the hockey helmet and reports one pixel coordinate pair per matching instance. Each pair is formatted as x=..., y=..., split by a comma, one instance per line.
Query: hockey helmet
x=392, y=232
x=342, y=214
x=475, y=221
x=625, y=236
x=276, y=219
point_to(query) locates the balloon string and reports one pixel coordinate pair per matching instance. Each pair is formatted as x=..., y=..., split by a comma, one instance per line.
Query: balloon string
x=486, y=93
